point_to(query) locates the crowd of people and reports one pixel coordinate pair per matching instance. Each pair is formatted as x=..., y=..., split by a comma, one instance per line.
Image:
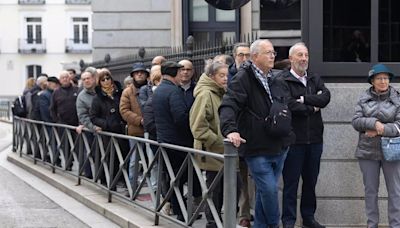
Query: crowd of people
x=232, y=99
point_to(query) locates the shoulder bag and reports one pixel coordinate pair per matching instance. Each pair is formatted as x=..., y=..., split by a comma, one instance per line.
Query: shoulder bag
x=391, y=147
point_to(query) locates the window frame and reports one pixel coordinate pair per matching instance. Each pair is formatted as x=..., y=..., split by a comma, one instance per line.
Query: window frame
x=36, y=70
x=312, y=17
x=211, y=26
x=34, y=31
x=80, y=25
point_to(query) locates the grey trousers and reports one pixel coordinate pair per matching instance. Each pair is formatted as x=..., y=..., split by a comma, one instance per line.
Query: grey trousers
x=371, y=173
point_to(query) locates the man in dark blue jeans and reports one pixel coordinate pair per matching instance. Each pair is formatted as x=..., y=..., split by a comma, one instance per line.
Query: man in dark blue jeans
x=308, y=95
x=242, y=114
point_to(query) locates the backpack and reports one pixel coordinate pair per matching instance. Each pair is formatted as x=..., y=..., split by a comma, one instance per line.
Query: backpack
x=18, y=107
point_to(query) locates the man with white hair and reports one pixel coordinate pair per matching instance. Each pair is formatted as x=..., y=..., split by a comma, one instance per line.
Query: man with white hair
x=308, y=95
x=243, y=112
x=41, y=85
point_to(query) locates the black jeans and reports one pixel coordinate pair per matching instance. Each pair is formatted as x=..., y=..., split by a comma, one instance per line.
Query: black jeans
x=176, y=158
x=302, y=160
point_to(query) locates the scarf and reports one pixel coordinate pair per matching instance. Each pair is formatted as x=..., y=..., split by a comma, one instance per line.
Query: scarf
x=108, y=90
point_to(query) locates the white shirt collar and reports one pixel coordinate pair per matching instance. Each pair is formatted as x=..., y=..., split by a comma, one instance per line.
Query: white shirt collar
x=303, y=79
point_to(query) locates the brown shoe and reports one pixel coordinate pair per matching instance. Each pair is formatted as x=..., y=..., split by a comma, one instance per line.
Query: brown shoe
x=245, y=223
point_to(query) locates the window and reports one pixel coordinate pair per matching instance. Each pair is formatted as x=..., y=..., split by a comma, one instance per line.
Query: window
x=280, y=14
x=347, y=29
x=79, y=40
x=80, y=30
x=34, y=30
x=346, y=38
x=31, y=2
x=32, y=41
x=389, y=31
x=78, y=2
x=33, y=71
x=208, y=24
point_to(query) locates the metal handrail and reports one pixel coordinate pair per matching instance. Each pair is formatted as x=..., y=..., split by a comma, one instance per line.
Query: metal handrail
x=61, y=148
x=5, y=109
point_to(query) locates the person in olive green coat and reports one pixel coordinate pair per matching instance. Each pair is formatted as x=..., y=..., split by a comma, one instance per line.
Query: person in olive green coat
x=204, y=124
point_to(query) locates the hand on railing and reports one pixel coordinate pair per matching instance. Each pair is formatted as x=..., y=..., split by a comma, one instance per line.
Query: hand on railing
x=235, y=139
x=79, y=129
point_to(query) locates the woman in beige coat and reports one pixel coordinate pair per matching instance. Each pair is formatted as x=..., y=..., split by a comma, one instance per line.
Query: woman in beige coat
x=204, y=124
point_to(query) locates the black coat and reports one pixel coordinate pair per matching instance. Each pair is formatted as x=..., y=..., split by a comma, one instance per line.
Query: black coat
x=149, y=123
x=307, y=124
x=63, y=105
x=171, y=115
x=246, y=92
x=105, y=110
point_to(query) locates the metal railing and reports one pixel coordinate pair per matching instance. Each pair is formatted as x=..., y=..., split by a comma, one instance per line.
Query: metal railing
x=78, y=2
x=32, y=46
x=61, y=148
x=197, y=52
x=31, y=2
x=78, y=46
x=5, y=109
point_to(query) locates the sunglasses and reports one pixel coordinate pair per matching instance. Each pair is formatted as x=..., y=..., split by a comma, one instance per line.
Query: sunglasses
x=105, y=79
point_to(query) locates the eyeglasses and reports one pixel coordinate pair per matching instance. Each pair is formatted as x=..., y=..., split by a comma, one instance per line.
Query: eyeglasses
x=105, y=79
x=186, y=69
x=381, y=79
x=241, y=55
x=270, y=53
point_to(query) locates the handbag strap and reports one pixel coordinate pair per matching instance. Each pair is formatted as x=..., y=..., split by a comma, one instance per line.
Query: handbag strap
x=397, y=127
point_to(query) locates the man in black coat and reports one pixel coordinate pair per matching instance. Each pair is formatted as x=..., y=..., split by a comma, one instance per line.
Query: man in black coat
x=242, y=114
x=172, y=119
x=308, y=95
x=63, y=107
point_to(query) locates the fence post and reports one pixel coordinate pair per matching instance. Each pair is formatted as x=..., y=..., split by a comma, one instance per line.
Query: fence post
x=230, y=183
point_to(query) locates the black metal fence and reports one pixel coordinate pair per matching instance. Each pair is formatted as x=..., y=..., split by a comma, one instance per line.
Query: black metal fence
x=5, y=109
x=101, y=154
x=194, y=51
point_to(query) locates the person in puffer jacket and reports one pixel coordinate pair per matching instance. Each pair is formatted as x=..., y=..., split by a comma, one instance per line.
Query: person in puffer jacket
x=376, y=114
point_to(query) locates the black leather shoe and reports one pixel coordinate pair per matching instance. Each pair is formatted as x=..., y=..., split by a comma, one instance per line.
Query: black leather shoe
x=312, y=224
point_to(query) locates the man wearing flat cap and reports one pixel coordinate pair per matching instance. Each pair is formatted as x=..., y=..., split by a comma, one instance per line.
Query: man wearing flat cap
x=172, y=118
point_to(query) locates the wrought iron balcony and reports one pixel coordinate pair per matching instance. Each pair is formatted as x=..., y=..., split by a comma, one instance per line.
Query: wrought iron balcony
x=78, y=46
x=78, y=2
x=31, y=2
x=32, y=46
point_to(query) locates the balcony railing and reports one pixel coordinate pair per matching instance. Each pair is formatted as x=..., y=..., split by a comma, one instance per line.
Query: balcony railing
x=32, y=46
x=78, y=2
x=31, y=2
x=78, y=46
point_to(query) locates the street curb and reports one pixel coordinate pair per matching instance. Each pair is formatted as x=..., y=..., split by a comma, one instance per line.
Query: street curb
x=124, y=215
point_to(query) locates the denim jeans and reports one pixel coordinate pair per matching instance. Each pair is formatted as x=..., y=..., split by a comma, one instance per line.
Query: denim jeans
x=132, y=163
x=302, y=160
x=266, y=170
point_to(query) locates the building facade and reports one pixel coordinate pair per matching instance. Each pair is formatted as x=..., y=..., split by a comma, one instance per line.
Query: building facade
x=121, y=29
x=42, y=36
x=345, y=38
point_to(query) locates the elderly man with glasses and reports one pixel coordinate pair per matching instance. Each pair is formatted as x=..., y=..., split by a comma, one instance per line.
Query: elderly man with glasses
x=243, y=111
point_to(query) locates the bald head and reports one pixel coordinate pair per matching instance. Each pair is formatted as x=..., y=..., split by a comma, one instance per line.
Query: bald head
x=186, y=72
x=64, y=79
x=158, y=60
